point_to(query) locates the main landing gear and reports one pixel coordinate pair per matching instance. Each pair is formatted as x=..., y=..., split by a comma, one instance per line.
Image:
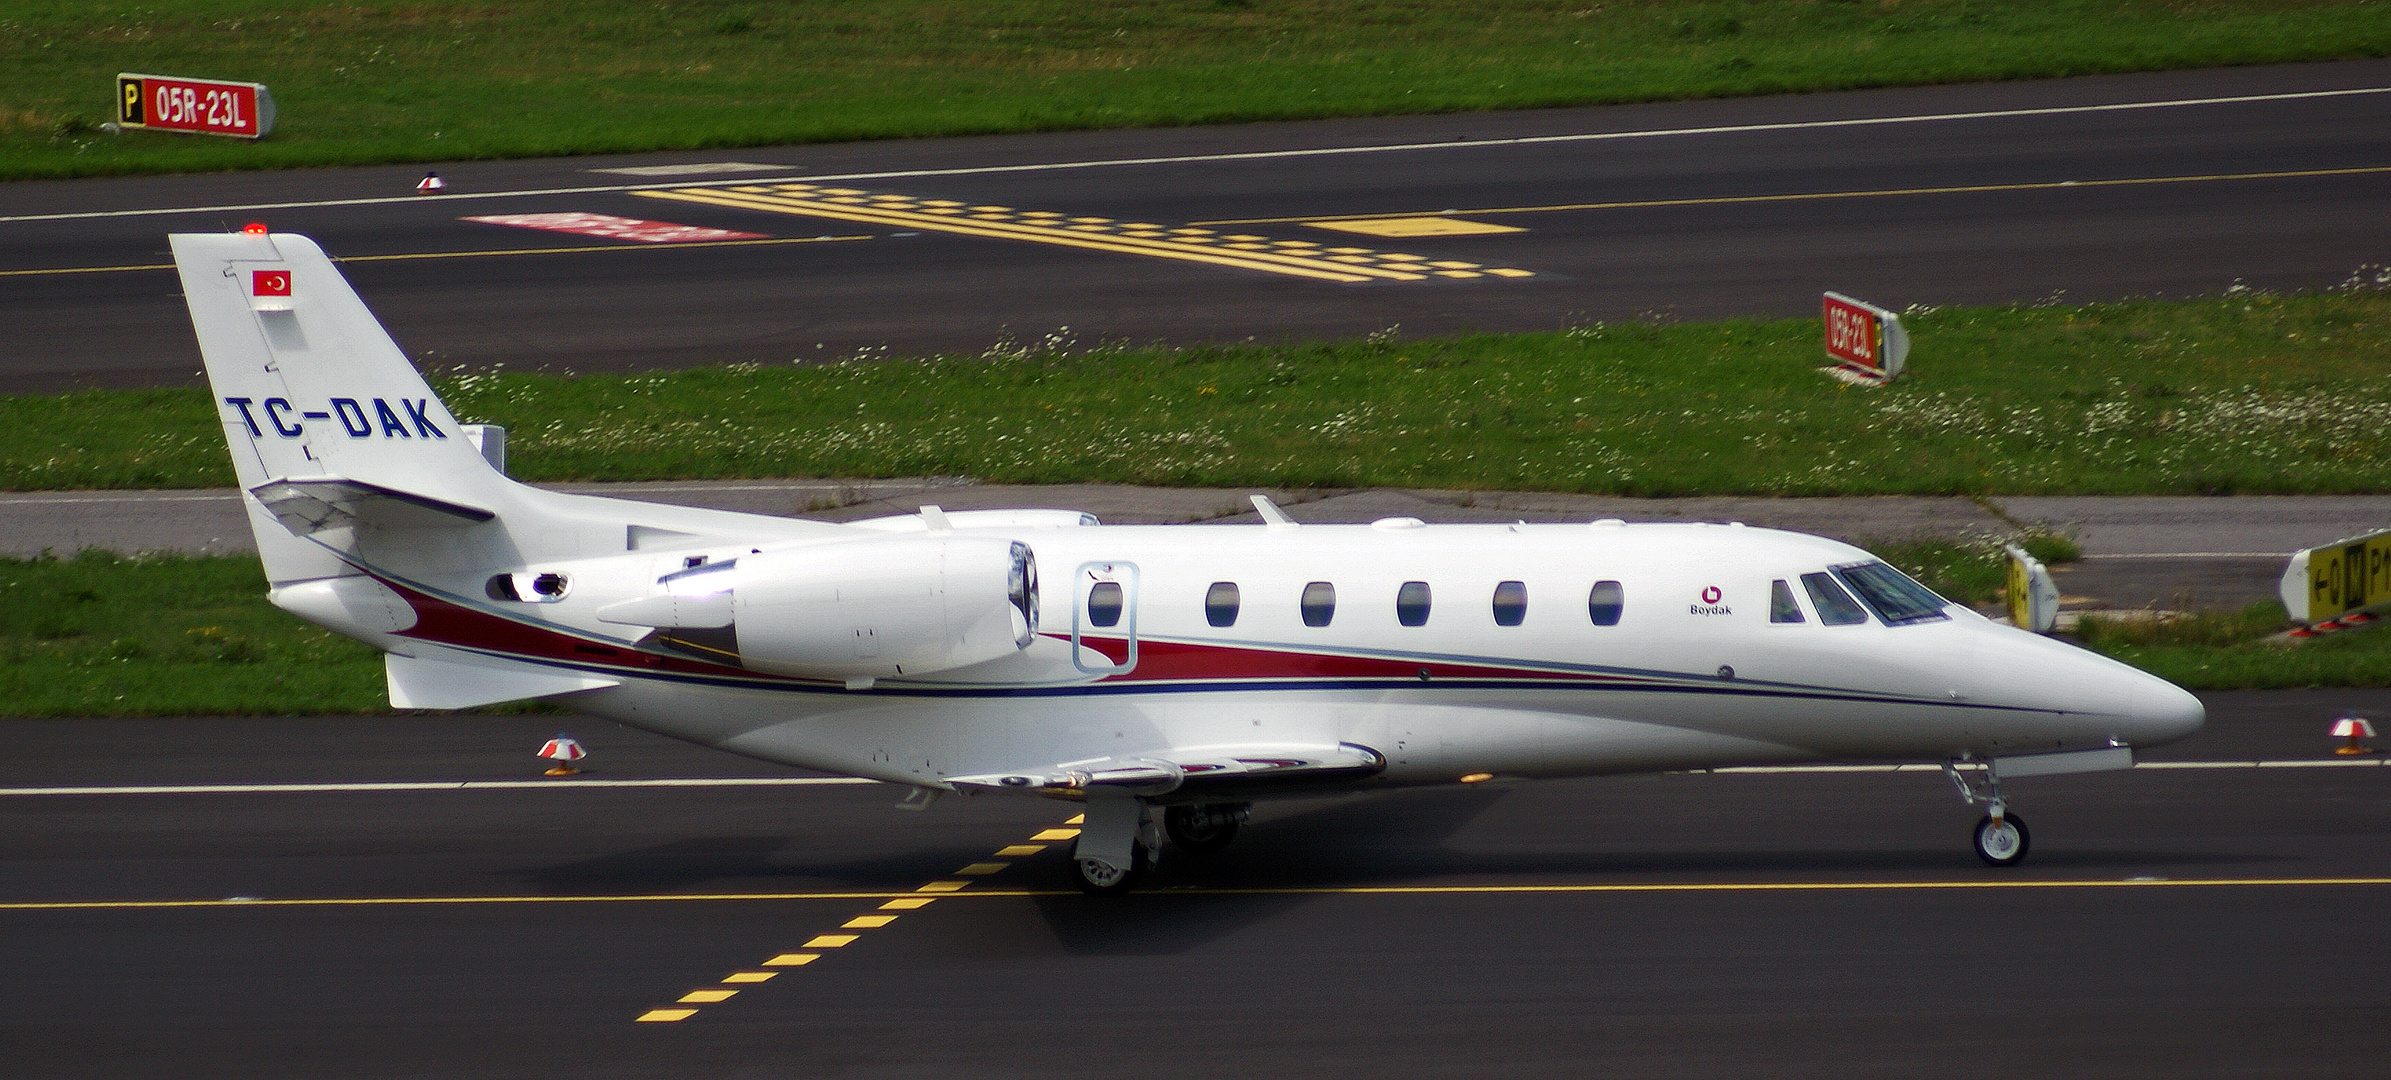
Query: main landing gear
x=1119, y=841
x=2001, y=837
x=1202, y=830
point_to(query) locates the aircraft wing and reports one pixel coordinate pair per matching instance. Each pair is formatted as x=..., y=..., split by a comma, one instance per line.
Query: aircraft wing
x=1224, y=771
x=313, y=504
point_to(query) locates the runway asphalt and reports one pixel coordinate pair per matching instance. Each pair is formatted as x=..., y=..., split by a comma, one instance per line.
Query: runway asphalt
x=2181, y=183
x=1807, y=924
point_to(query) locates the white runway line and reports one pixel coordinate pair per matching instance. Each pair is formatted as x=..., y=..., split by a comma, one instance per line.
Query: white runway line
x=1258, y=155
x=822, y=781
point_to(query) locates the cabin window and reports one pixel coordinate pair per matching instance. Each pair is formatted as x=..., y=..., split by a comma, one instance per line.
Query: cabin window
x=1891, y=594
x=1510, y=603
x=1781, y=606
x=1220, y=603
x=1604, y=603
x=1411, y=603
x=1319, y=603
x=1835, y=607
x=1104, y=603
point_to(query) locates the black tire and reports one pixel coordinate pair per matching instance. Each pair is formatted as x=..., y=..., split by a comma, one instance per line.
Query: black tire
x=1196, y=831
x=2005, y=847
x=1097, y=879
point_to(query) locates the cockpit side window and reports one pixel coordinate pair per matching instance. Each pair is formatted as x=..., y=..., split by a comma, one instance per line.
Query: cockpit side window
x=1835, y=607
x=1890, y=593
x=1782, y=608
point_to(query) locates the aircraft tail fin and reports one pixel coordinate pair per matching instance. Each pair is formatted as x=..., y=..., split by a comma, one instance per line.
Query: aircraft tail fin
x=311, y=389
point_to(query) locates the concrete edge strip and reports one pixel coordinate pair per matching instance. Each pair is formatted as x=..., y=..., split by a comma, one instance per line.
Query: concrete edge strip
x=825, y=781
x=797, y=174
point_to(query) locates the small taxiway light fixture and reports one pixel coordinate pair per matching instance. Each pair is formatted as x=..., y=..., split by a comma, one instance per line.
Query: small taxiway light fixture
x=255, y=228
x=430, y=184
x=564, y=752
x=2354, y=728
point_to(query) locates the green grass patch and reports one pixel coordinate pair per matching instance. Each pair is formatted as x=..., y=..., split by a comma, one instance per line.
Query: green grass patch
x=2255, y=394
x=101, y=635
x=384, y=81
x=2238, y=651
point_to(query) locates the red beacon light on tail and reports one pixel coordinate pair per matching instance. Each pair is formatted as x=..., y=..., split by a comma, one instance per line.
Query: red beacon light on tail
x=254, y=228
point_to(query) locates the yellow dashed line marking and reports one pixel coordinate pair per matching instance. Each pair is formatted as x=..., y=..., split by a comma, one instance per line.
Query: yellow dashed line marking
x=1244, y=251
x=938, y=889
x=1057, y=834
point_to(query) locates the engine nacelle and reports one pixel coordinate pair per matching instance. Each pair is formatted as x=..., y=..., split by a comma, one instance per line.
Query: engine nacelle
x=884, y=606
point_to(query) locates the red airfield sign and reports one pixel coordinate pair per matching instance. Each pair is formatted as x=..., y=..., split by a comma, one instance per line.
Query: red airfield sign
x=1864, y=337
x=242, y=110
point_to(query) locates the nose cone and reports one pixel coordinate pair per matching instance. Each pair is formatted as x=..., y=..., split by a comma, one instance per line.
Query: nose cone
x=2164, y=712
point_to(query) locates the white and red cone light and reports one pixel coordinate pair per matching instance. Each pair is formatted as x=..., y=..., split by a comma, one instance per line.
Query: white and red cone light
x=430, y=184
x=564, y=752
x=2354, y=728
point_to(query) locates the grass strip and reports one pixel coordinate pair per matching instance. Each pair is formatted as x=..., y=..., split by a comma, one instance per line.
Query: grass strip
x=104, y=635
x=2242, y=395
x=443, y=80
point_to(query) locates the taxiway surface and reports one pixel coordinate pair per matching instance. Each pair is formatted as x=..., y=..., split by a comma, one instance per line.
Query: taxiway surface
x=2177, y=183
x=1779, y=924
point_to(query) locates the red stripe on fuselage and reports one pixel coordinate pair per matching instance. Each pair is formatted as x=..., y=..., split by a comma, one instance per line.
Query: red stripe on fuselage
x=448, y=623
x=1175, y=660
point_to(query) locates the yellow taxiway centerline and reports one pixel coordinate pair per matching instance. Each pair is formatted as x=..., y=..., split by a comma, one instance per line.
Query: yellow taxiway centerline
x=1729, y=200
x=469, y=254
x=1292, y=890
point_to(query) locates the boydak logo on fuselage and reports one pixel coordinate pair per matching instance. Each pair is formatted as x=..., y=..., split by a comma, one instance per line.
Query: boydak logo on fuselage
x=1711, y=595
x=290, y=423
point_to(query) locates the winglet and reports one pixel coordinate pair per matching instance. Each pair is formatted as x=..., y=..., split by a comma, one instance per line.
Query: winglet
x=1272, y=516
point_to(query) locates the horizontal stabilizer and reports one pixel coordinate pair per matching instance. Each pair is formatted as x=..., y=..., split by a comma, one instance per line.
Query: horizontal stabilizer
x=451, y=679
x=312, y=504
x=1211, y=768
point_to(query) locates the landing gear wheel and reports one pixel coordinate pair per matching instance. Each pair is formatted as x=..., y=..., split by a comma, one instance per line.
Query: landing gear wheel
x=1199, y=830
x=1103, y=879
x=2002, y=843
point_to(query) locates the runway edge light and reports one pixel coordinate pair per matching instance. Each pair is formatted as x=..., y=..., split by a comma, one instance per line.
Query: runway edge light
x=430, y=184
x=2354, y=728
x=564, y=752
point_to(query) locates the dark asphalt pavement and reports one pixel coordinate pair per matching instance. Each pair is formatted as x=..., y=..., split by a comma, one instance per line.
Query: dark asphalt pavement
x=1329, y=941
x=1750, y=241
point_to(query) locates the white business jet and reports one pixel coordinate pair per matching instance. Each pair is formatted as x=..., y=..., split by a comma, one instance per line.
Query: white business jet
x=1166, y=677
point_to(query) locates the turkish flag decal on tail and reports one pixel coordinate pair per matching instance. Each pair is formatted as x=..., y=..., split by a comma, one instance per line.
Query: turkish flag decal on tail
x=269, y=283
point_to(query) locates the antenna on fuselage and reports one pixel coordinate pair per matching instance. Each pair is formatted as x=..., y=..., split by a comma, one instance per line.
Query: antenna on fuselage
x=1272, y=516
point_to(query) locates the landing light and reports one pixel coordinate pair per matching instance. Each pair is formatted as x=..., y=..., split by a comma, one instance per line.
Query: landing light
x=1477, y=778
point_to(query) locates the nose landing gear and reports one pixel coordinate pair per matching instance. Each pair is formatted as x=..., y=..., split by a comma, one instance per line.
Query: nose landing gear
x=2001, y=837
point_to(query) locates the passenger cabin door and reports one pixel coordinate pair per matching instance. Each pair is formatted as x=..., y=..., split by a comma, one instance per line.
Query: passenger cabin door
x=1104, y=617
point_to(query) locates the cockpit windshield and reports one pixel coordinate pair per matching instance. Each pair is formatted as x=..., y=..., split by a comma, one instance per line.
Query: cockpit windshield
x=1891, y=594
